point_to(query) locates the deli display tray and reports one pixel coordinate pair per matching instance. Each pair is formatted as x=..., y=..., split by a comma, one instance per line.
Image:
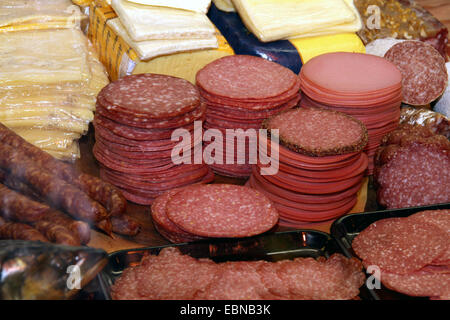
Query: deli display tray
x=270, y=247
x=346, y=228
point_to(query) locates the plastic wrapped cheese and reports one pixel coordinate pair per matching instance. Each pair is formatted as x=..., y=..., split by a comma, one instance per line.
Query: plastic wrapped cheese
x=154, y=48
x=271, y=20
x=48, y=139
x=201, y=6
x=155, y=23
x=21, y=15
x=44, y=57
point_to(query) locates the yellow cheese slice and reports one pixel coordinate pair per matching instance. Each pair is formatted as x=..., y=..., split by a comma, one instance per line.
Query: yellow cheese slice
x=70, y=154
x=23, y=99
x=310, y=47
x=271, y=20
x=201, y=6
x=224, y=5
x=27, y=14
x=154, y=48
x=48, y=139
x=44, y=57
x=153, y=23
x=76, y=126
x=60, y=113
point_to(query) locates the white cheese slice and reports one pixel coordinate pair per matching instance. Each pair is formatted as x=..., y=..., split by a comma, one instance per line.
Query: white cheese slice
x=201, y=6
x=155, y=48
x=271, y=20
x=157, y=23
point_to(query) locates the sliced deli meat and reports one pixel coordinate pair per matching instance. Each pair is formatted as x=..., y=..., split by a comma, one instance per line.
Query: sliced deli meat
x=221, y=210
x=172, y=275
x=424, y=75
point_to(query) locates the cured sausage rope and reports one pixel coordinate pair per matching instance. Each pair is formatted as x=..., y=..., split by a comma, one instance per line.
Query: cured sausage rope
x=55, y=190
x=105, y=193
x=19, y=231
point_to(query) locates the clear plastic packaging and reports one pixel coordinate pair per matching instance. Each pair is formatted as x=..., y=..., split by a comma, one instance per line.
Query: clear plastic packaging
x=23, y=15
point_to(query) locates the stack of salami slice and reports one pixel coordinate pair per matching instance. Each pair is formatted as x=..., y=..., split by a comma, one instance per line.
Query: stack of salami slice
x=412, y=253
x=321, y=165
x=365, y=86
x=241, y=91
x=134, y=121
x=212, y=211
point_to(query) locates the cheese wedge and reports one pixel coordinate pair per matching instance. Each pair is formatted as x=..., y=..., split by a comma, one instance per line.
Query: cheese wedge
x=224, y=5
x=271, y=20
x=201, y=6
x=156, y=23
x=44, y=57
x=154, y=48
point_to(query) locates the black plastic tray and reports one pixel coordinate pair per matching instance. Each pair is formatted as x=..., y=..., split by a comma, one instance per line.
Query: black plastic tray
x=270, y=247
x=345, y=229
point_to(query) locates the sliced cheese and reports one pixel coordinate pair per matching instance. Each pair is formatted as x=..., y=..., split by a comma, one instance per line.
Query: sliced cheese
x=76, y=126
x=44, y=57
x=310, y=47
x=49, y=139
x=24, y=99
x=38, y=14
x=224, y=5
x=201, y=6
x=70, y=154
x=156, y=23
x=62, y=114
x=271, y=20
x=154, y=48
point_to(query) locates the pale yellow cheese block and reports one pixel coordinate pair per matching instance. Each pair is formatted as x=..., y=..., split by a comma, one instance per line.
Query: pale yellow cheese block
x=271, y=20
x=48, y=139
x=17, y=15
x=44, y=57
x=70, y=154
x=156, y=23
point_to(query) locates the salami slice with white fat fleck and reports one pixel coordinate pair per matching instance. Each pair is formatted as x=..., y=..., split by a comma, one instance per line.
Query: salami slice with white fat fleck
x=157, y=96
x=222, y=210
x=424, y=75
x=399, y=245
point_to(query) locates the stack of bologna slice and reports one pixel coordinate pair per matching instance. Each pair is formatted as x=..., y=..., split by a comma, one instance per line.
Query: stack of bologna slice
x=212, y=211
x=134, y=122
x=241, y=91
x=321, y=165
x=365, y=86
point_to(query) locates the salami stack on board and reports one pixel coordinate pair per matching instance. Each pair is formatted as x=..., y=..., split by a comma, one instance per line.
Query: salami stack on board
x=412, y=253
x=365, y=86
x=134, y=122
x=240, y=92
x=321, y=165
x=412, y=168
x=212, y=211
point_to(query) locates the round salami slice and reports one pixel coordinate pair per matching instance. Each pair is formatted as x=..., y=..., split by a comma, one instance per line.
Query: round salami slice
x=221, y=210
x=424, y=75
x=134, y=133
x=245, y=77
x=399, y=245
x=156, y=95
x=319, y=132
x=418, y=284
x=159, y=216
